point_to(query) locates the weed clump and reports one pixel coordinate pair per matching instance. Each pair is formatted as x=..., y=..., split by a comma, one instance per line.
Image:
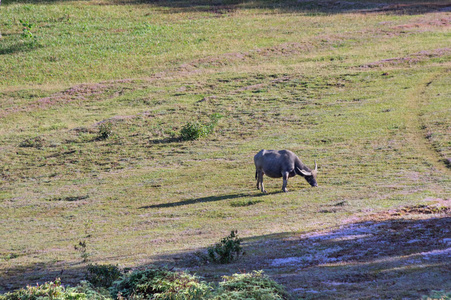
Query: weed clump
x=30, y=39
x=439, y=295
x=103, y=275
x=227, y=250
x=156, y=284
x=105, y=130
x=82, y=249
x=55, y=290
x=253, y=285
x=26, y=28
x=160, y=283
x=196, y=130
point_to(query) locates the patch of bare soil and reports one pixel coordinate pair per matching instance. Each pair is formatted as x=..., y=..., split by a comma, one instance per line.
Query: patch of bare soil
x=284, y=49
x=236, y=57
x=78, y=93
x=414, y=7
x=410, y=59
x=444, y=21
x=106, y=90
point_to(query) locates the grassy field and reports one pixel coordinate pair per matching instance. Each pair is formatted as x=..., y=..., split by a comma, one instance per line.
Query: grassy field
x=362, y=87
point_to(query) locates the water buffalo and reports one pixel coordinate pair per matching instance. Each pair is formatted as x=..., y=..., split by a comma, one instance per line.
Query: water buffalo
x=281, y=163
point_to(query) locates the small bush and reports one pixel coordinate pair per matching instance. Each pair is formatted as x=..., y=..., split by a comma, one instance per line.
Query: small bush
x=195, y=130
x=438, y=295
x=253, y=285
x=54, y=290
x=103, y=275
x=160, y=283
x=105, y=130
x=82, y=249
x=87, y=290
x=227, y=250
x=26, y=29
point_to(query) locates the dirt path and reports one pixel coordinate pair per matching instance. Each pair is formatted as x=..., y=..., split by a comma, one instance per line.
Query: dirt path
x=415, y=135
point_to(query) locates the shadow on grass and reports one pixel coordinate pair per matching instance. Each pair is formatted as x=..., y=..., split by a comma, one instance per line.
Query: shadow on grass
x=39, y=273
x=386, y=259
x=222, y=7
x=6, y=2
x=168, y=140
x=205, y=199
x=19, y=47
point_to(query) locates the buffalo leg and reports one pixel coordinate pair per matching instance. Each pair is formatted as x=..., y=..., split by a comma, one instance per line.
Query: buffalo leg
x=260, y=181
x=285, y=181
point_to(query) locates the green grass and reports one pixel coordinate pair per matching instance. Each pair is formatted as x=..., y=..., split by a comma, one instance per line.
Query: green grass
x=312, y=79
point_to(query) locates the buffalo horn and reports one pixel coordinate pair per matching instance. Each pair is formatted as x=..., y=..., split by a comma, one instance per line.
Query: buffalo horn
x=305, y=173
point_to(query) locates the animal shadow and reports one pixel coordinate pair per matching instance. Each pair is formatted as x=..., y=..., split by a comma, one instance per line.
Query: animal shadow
x=202, y=200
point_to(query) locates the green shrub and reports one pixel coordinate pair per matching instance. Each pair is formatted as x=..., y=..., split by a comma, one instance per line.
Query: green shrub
x=87, y=290
x=227, y=250
x=160, y=283
x=105, y=130
x=253, y=285
x=195, y=130
x=82, y=249
x=438, y=295
x=102, y=275
x=55, y=291
x=26, y=29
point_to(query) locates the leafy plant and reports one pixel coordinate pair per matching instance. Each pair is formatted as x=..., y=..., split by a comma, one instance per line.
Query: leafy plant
x=103, y=275
x=26, y=28
x=160, y=283
x=53, y=290
x=156, y=283
x=193, y=131
x=105, y=130
x=9, y=256
x=227, y=250
x=82, y=249
x=439, y=295
x=253, y=285
x=196, y=130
